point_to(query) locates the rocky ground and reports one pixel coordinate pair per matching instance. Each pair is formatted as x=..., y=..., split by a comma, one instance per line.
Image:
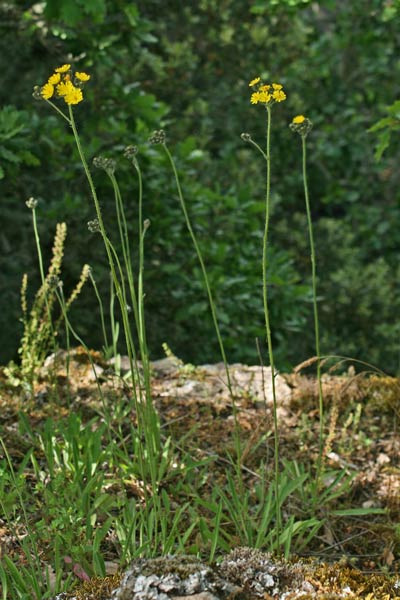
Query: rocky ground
x=354, y=557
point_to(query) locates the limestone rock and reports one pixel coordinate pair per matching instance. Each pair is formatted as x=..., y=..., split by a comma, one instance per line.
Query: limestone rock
x=172, y=577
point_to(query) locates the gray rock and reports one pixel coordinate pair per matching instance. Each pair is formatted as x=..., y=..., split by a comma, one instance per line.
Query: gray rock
x=172, y=577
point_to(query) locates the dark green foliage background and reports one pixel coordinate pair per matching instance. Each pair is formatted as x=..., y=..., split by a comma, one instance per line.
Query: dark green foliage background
x=185, y=67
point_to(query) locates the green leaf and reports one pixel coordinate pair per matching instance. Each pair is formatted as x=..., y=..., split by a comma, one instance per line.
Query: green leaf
x=386, y=122
x=358, y=512
x=29, y=158
x=9, y=155
x=394, y=108
x=383, y=143
x=132, y=14
x=71, y=12
x=95, y=8
x=52, y=9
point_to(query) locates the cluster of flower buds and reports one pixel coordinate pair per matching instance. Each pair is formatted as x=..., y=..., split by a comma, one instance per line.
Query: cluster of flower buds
x=107, y=164
x=94, y=226
x=130, y=152
x=31, y=203
x=157, y=137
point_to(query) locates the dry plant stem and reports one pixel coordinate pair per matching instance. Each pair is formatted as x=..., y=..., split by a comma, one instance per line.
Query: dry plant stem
x=316, y=321
x=268, y=327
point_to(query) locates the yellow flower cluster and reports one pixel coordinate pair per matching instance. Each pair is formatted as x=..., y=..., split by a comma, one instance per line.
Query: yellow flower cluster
x=61, y=84
x=266, y=93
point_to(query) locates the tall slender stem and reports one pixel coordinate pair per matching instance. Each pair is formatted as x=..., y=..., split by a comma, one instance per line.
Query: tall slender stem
x=203, y=268
x=45, y=289
x=211, y=301
x=268, y=327
x=121, y=295
x=315, y=309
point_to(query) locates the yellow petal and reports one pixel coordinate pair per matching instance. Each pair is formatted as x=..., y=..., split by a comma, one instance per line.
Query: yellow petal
x=47, y=91
x=254, y=81
x=54, y=79
x=63, y=69
x=82, y=76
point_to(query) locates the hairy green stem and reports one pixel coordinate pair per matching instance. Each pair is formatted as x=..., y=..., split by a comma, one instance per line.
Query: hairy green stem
x=268, y=327
x=316, y=320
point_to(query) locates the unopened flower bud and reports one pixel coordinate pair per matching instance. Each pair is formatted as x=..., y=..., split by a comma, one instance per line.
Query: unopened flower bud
x=107, y=164
x=246, y=137
x=157, y=137
x=37, y=93
x=130, y=152
x=94, y=226
x=31, y=203
x=301, y=125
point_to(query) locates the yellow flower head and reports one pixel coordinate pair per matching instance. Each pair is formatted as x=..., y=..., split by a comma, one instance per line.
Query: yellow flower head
x=279, y=96
x=64, y=88
x=254, y=81
x=255, y=98
x=264, y=88
x=301, y=125
x=82, y=76
x=61, y=85
x=264, y=97
x=70, y=93
x=47, y=91
x=54, y=79
x=277, y=86
x=63, y=69
x=73, y=96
